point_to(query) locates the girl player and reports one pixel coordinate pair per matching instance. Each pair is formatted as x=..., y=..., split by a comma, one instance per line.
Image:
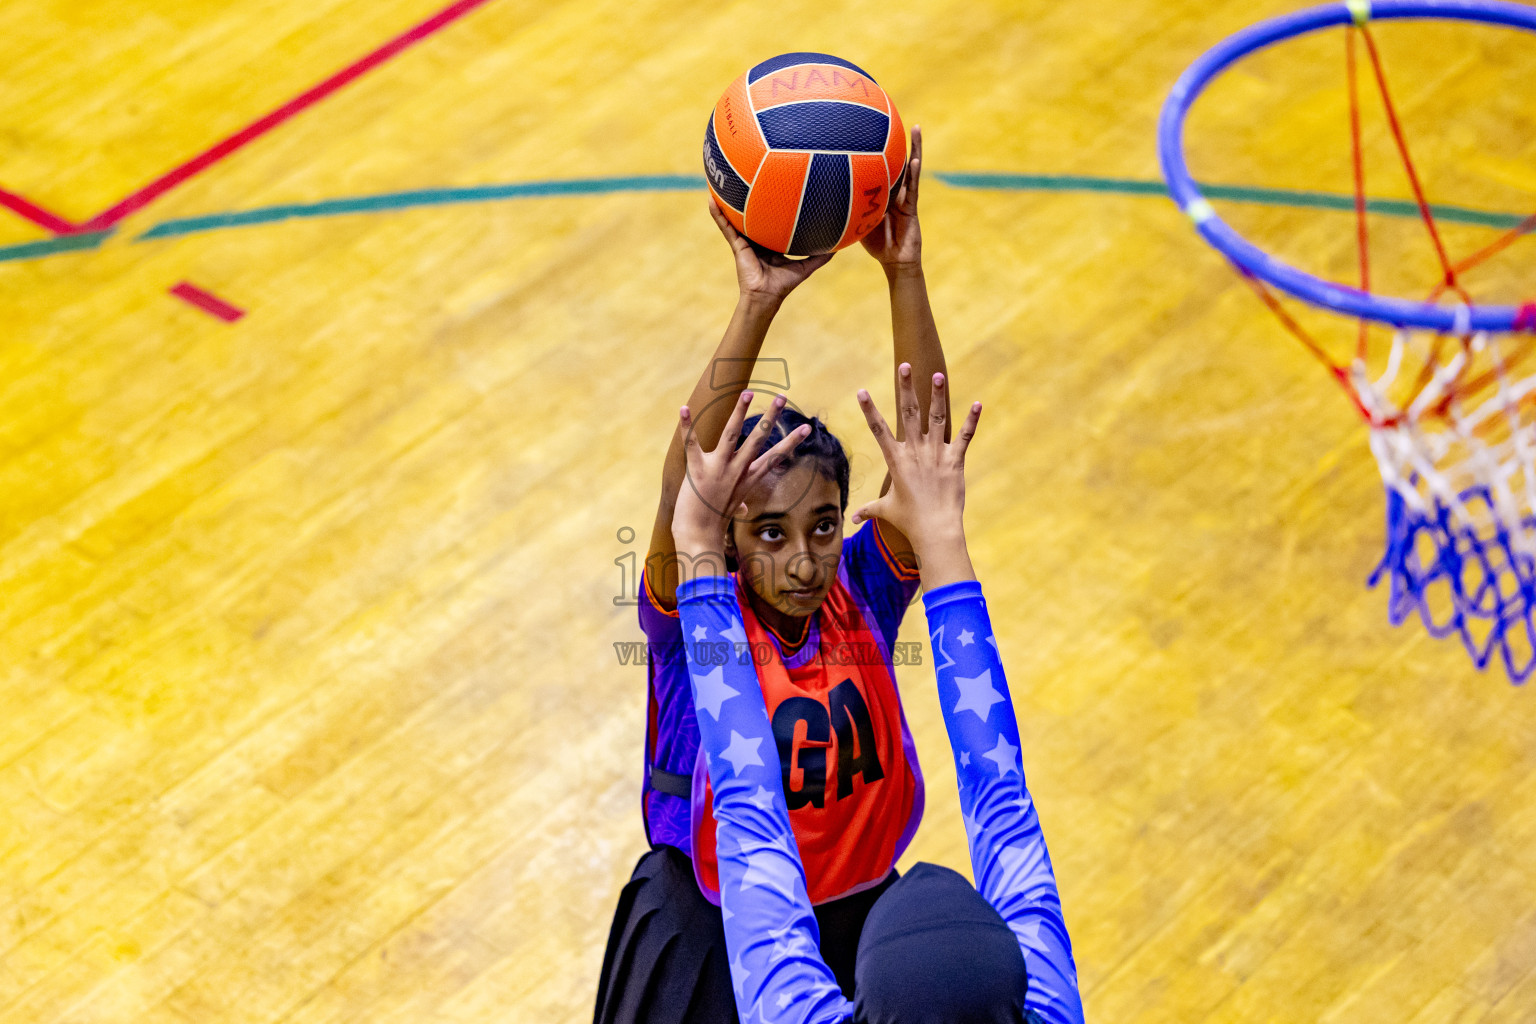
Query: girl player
x=819, y=615
x=934, y=950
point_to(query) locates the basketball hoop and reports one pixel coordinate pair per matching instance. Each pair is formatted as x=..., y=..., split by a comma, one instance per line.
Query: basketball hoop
x=1450, y=401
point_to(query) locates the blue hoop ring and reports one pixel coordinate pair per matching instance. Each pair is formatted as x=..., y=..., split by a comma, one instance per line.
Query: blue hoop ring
x=1338, y=297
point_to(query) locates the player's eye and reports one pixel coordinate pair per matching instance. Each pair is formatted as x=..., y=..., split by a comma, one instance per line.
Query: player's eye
x=826, y=527
x=770, y=534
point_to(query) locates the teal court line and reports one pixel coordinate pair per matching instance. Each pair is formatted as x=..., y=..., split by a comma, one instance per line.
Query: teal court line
x=425, y=197
x=1299, y=198
x=181, y=226
x=49, y=246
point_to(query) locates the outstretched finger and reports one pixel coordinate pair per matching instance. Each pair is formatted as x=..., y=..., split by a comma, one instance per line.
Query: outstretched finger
x=732, y=429
x=755, y=443
x=967, y=431
x=765, y=463
x=689, y=436
x=938, y=407
x=877, y=426
x=906, y=403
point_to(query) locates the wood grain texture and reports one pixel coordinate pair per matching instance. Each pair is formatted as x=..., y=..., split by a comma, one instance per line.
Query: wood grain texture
x=312, y=708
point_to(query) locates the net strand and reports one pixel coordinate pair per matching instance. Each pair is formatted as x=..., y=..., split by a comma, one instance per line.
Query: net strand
x=1357, y=160
x=1453, y=429
x=1448, y=271
x=1291, y=324
x=1493, y=248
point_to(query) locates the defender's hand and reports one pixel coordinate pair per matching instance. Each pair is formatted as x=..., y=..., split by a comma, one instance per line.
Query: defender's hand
x=719, y=480
x=927, y=496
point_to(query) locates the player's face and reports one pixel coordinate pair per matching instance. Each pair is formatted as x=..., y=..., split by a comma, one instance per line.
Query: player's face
x=788, y=543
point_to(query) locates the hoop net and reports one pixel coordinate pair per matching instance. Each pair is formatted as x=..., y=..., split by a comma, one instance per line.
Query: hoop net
x=1453, y=428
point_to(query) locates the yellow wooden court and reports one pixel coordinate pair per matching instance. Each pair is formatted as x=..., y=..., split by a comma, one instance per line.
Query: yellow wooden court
x=341, y=345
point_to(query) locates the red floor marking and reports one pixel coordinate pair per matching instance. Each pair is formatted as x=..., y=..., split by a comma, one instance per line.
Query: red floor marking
x=256, y=129
x=36, y=214
x=207, y=302
x=110, y=216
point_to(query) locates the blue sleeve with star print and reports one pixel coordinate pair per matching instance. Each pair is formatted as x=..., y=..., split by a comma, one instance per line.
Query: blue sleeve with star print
x=770, y=930
x=1008, y=854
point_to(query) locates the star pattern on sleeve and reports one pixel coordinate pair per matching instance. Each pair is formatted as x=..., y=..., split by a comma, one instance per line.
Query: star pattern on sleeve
x=1023, y=864
x=711, y=692
x=743, y=752
x=1005, y=755
x=945, y=661
x=1011, y=865
x=977, y=694
x=1028, y=932
x=777, y=972
x=739, y=976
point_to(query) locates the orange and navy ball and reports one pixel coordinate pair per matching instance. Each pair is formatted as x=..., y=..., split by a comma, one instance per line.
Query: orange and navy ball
x=803, y=152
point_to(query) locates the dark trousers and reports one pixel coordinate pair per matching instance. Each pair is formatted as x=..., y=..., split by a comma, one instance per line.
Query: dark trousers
x=924, y=948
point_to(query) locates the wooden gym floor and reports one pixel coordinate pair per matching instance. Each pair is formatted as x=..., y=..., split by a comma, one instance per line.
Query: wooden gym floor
x=312, y=706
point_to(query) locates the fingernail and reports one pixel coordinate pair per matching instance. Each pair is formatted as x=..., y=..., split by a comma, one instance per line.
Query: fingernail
x=746, y=396
x=778, y=401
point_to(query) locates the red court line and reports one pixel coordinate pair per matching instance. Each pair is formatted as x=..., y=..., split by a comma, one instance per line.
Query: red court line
x=169, y=180
x=207, y=302
x=29, y=210
x=260, y=127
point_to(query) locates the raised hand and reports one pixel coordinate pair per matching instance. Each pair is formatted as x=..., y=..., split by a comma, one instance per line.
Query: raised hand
x=896, y=241
x=926, y=501
x=760, y=273
x=719, y=480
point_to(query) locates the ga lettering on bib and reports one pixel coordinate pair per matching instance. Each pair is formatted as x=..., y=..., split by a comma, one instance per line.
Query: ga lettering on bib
x=849, y=768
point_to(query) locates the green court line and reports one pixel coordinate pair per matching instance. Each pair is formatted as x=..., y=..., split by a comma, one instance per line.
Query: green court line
x=1236, y=193
x=424, y=197
x=682, y=182
x=1297, y=198
x=49, y=246
x=1051, y=183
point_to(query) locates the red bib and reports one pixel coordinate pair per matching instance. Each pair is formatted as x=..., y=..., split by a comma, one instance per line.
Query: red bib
x=850, y=770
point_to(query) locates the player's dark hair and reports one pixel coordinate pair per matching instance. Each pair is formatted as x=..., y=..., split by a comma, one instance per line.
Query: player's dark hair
x=821, y=447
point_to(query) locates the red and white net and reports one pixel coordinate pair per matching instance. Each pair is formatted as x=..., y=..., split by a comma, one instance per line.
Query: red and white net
x=1453, y=428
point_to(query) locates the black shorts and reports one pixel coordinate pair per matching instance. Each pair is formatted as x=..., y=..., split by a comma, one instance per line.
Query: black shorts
x=666, y=961
x=924, y=948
